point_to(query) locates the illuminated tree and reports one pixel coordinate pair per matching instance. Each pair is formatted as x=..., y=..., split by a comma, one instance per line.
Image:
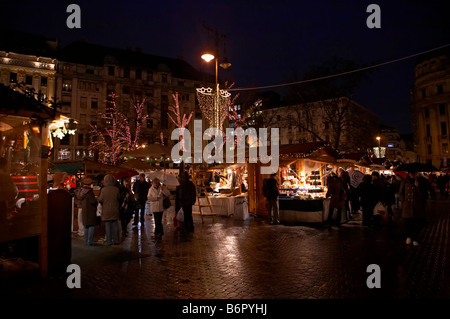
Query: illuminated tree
x=117, y=136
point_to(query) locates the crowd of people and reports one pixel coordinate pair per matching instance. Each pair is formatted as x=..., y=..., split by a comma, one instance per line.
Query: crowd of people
x=376, y=195
x=120, y=202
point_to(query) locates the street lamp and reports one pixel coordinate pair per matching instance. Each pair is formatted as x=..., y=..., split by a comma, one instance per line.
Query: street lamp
x=379, y=146
x=218, y=96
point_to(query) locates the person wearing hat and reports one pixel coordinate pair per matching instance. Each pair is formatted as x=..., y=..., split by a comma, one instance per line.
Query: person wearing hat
x=86, y=197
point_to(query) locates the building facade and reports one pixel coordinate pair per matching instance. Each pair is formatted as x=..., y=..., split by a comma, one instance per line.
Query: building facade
x=430, y=98
x=28, y=64
x=87, y=76
x=342, y=122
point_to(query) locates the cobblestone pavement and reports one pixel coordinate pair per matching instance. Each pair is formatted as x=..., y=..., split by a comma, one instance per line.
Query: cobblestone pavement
x=235, y=259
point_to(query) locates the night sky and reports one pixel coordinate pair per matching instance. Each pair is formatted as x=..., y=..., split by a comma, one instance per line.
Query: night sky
x=267, y=40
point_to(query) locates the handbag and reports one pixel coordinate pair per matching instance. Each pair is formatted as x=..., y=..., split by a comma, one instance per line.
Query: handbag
x=166, y=202
x=379, y=209
x=180, y=215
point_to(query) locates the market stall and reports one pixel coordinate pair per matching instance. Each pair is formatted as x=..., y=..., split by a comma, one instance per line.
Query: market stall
x=303, y=173
x=226, y=187
x=24, y=145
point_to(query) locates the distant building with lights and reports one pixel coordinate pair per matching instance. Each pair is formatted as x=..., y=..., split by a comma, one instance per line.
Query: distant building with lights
x=28, y=63
x=430, y=99
x=398, y=147
x=319, y=121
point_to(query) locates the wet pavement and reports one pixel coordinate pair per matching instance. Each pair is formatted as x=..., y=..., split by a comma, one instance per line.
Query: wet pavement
x=235, y=259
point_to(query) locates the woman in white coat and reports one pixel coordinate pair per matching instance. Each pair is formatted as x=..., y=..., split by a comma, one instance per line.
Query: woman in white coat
x=155, y=196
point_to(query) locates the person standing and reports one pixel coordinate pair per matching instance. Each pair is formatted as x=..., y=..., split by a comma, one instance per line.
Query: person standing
x=367, y=198
x=86, y=197
x=345, y=179
x=271, y=193
x=155, y=196
x=186, y=198
x=337, y=196
x=59, y=224
x=109, y=198
x=126, y=204
x=413, y=208
x=380, y=194
x=140, y=190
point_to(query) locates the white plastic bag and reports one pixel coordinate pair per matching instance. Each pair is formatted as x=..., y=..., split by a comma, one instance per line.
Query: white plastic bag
x=99, y=209
x=379, y=209
x=180, y=215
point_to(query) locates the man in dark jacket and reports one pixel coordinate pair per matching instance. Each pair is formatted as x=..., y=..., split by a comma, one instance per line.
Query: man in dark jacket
x=140, y=190
x=185, y=198
x=271, y=193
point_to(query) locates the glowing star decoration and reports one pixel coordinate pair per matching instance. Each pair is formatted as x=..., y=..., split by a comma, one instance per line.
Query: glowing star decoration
x=117, y=136
x=214, y=105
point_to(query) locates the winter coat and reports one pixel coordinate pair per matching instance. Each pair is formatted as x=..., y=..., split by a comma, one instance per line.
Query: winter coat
x=366, y=192
x=88, y=204
x=109, y=197
x=336, y=192
x=413, y=205
x=156, y=204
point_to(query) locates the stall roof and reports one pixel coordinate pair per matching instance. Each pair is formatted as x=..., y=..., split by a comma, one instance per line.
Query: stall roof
x=91, y=168
x=320, y=151
x=15, y=103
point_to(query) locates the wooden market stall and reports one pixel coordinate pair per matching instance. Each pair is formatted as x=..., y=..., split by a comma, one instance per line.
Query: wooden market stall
x=24, y=143
x=222, y=190
x=302, y=176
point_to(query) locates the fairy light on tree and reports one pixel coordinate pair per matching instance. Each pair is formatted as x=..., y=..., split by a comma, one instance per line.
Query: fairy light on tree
x=179, y=121
x=117, y=136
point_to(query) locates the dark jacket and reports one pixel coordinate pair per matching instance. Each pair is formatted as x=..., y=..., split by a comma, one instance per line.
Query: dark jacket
x=86, y=197
x=336, y=192
x=186, y=195
x=367, y=195
x=270, y=188
x=140, y=190
x=413, y=203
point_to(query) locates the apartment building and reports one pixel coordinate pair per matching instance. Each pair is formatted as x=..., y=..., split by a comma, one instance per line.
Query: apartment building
x=88, y=74
x=430, y=99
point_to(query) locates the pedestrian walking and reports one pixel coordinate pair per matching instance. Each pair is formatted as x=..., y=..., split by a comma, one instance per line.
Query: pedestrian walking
x=140, y=190
x=109, y=198
x=413, y=207
x=155, y=196
x=368, y=200
x=86, y=197
x=337, y=196
x=127, y=204
x=271, y=192
x=185, y=198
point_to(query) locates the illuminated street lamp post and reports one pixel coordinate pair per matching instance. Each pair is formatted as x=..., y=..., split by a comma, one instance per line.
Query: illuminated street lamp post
x=219, y=97
x=379, y=146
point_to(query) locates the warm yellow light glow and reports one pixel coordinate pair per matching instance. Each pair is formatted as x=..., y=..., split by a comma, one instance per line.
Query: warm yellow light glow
x=207, y=57
x=378, y=138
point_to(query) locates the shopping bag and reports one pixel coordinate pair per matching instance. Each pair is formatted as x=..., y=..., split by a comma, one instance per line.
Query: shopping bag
x=379, y=209
x=99, y=209
x=180, y=215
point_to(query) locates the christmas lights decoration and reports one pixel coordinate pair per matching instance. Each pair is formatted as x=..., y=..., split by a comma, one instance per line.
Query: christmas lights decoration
x=180, y=121
x=214, y=104
x=116, y=138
